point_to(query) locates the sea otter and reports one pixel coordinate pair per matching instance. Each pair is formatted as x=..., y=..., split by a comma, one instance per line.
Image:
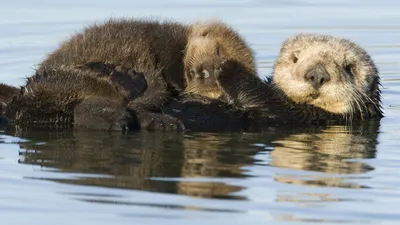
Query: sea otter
x=316, y=79
x=322, y=70
x=122, y=52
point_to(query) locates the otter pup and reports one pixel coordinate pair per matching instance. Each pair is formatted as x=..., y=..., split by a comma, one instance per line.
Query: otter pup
x=209, y=43
x=315, y=78
x=120, y=52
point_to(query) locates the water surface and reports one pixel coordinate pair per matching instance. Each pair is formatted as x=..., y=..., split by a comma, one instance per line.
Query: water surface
x=333, y=175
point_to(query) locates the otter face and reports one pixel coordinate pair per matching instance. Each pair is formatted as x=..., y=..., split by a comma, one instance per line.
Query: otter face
x=328, y=72
x=202, y=61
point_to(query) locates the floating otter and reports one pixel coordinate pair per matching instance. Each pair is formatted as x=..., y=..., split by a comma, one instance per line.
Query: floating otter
x=142, y=61
x=325, y=70
x=316, y=79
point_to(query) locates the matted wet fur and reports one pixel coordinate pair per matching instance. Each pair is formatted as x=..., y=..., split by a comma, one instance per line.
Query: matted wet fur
x=260, y=104
x=6, y=95
x=116, y=54
x=317, y=79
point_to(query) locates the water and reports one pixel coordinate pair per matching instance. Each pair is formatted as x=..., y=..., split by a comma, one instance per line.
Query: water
x=338, y=175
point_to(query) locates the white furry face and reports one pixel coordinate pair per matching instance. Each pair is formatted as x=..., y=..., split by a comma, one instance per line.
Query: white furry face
x=327, y=72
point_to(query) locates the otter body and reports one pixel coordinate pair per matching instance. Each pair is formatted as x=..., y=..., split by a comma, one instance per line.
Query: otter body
x=316, y=79
x=141, y=62
x=133, y=63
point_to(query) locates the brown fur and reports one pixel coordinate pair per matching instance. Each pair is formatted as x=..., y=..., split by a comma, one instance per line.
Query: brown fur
x=51, y=98
x=256, y=102
x=209, y=43
x=104, y=62
x=142, y=46
x=141, y=61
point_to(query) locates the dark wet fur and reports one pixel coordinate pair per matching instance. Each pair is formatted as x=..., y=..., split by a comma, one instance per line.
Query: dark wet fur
x=108, y=61
x=132, y=85
x=256, y=106
x=263, y=101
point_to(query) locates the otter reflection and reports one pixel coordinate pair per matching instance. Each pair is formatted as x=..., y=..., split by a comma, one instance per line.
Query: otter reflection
x=193, y=164
x=330, y=151
x=142, y=161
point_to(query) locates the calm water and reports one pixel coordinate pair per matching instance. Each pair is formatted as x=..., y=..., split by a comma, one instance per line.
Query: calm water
x=338, y=175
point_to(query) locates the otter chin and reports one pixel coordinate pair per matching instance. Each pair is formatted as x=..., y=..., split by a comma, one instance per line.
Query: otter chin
x=327, y=72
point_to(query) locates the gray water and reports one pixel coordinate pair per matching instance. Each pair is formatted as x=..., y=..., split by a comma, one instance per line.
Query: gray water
x=337, y=175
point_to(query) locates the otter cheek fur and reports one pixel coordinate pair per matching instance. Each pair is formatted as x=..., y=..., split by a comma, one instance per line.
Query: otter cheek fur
x=327, y=72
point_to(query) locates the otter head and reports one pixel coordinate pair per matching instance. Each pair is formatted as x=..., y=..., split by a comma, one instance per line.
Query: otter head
x=203, y=57
x=330, y=73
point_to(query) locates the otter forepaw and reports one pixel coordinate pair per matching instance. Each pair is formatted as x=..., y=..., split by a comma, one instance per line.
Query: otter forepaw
x=101, y=114
x=227, y=67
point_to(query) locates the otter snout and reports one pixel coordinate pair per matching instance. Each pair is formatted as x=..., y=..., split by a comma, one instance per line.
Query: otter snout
x=202, y=73
x=206, y=69
x=317, y=76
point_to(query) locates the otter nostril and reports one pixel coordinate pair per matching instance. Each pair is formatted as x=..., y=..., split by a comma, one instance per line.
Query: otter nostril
x=317, y=76
x=206, y=74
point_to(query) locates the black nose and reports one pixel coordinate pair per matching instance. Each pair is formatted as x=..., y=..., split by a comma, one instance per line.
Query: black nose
x=317, y=76
x=202, y=73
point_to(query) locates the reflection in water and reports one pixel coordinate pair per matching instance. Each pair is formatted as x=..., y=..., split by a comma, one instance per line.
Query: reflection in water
x=131, y=159
x=329, y=150
x=194, y=164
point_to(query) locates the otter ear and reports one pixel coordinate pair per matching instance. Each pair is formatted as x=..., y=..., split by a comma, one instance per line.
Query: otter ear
x=350, y=70
x=295, y=56
x=349, y=66
x=204, y=33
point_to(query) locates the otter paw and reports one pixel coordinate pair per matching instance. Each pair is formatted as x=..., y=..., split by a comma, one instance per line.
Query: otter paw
x=227, y=67
x=161, y=122
x=101, y=114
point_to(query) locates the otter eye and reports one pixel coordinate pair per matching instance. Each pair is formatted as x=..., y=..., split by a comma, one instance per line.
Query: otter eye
x=349, y=69
x=205, y=33
x=295, y=59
